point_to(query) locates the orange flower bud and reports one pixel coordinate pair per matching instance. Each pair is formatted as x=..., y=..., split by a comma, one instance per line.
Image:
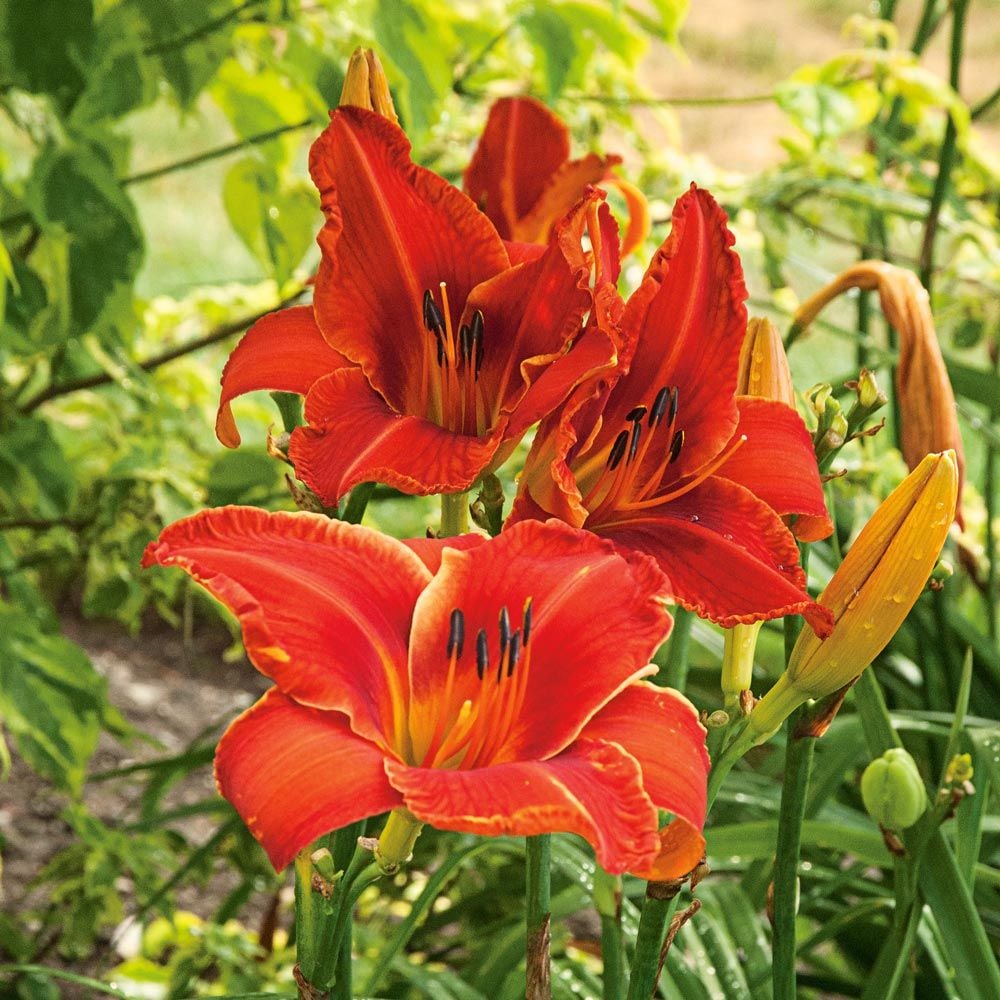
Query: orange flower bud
x=365, y=85
x=871, y=593
x=928, y=418
x=763, y=364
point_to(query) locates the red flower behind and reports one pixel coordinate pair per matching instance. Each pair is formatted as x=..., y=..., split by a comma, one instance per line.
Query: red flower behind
x=427, y=353
x=663, y=457
x=522, y=177
x=501, y=694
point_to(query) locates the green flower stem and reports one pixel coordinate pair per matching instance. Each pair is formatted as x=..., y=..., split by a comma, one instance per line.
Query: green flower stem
x=798, y=764
x=674, y=670
x=454, y=514
x=357, y=503
x=608, y=902
x=657, y=910
x=946, y=158
x=538, y=858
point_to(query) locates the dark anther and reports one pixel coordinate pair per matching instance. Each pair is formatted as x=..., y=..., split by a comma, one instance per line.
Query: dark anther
x=515, y=652
x=633, y=446
x=672, y=414
x=477, y=339
x=504, y=630
x=526, y=621
x=675, y=445
x=456, y=634
x=636, y=413
x=659, y=406
x=433, y=319
x=617, y=450
x=465, y=344
x=482, y=653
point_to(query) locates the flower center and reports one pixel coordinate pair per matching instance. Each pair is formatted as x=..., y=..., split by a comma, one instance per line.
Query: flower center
x=628, y=482
x=471, y=732
x=451, y=367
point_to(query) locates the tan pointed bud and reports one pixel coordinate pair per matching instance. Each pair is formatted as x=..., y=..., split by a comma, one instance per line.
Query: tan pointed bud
x=928, y=416
x=870, y=396
x=365, y=85
x=764, y=367
x=871, y=593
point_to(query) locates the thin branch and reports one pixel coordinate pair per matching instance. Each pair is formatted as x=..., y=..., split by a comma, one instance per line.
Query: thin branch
x=676, y=102
x=212, y=154
x=155, y=361
x=196, y=34
x=19, y=218
x=980, y=109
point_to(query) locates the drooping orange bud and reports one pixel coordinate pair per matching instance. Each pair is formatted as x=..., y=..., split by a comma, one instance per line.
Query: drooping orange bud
x=928, y=417
x=764, y=367
x=365, y=85
x=871, y=593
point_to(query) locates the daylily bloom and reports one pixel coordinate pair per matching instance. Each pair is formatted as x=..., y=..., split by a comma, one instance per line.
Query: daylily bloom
x=872, y=591
x=427, y=353
x=667, y=459
x=928, y=415
x=522, y=177
x=490, y=687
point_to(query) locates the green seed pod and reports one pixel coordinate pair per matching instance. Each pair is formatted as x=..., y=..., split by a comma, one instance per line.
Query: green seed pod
x=893, y=791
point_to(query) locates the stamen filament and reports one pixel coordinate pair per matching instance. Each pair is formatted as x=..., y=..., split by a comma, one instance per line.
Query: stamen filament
x=697, y=480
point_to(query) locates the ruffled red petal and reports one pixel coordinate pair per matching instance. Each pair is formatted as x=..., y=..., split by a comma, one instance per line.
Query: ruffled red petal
x=660, y=729
x=683, y=327
x=593, y=789
x=355, y=437
x=325, y=606
x=522, y=146
x=596, y=620
x=295, y=773
x=777, y=462
x=284, y=351
x=726, y=554
x=393, y=230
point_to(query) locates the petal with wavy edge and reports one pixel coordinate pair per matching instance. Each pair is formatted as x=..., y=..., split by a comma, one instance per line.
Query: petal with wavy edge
x=393, y=230
x=355, y=437
x=777, y=462
x=596, y=620
x=284, y=351
x=659, y=727
x=325, y=606
x=683, y=327
x=593, y=789
x=295, y=773
x=726, y=554
x=522, y=146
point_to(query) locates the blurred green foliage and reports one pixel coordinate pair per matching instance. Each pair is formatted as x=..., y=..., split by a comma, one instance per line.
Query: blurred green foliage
x=107, y=397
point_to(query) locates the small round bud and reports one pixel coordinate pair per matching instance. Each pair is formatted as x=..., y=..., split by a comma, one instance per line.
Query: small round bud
x=893, y=791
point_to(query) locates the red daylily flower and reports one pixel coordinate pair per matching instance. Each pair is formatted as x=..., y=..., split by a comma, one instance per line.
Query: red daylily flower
x=426, y=353
x=488, y=696
x=522, y=177
x=663, y=456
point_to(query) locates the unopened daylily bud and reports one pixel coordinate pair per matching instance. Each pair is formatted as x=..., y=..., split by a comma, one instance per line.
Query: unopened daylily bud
x=764, y=367
x=365, y=85
x=871, y=593
x=928, y=416
x=870, y=396
x=893, y=791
